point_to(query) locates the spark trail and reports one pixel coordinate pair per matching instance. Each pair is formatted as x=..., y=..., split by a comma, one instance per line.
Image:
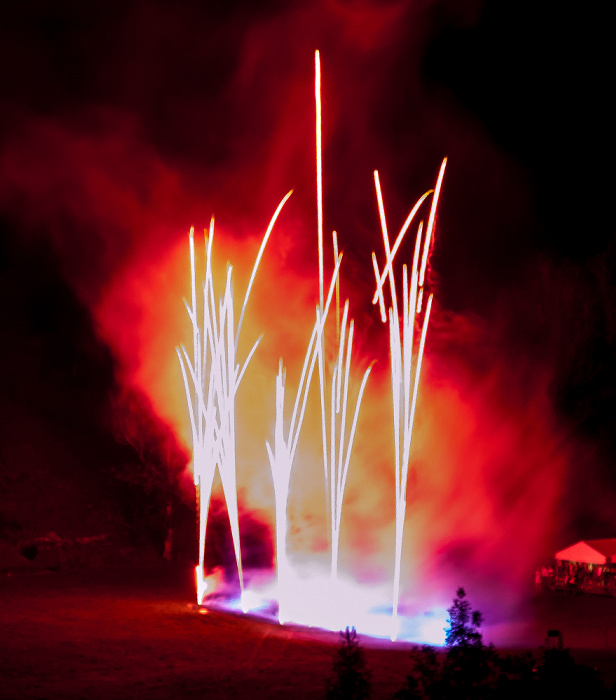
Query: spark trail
x=337, y=446
x=340, y=445
x=405, y=382
x=210, y=394
x=212, y=376
x=283, y=453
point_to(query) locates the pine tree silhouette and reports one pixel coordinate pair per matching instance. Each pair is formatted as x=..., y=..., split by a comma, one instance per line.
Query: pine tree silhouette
x=351, y=676
x=464, y=623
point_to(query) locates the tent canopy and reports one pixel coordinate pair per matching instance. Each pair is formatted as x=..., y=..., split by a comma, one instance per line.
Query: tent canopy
x=590, y=552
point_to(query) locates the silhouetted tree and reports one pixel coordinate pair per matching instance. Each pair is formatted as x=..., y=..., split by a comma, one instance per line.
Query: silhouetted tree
x=351, y=676
x=426, y=677
x=470, y=670
x=464, y=623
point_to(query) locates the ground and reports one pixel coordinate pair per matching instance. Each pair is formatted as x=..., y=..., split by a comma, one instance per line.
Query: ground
x=135, y=632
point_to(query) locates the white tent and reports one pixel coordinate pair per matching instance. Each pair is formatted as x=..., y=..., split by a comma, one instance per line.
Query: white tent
x=590, y=552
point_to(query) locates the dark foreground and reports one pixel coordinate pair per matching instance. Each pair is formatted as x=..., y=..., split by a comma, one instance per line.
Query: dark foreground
x=134, y=633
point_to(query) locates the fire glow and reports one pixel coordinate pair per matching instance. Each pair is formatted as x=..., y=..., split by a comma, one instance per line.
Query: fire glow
x=212, y=377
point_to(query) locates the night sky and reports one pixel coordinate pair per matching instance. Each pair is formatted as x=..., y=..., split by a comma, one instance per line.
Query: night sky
x=124, y=123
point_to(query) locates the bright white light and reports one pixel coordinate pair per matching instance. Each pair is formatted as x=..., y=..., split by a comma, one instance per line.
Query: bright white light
x=201, y=584
x=313, y=599
x=404, y=381
x=338, y=444
x=211, y=378
x=210, y=393
x=282, y=455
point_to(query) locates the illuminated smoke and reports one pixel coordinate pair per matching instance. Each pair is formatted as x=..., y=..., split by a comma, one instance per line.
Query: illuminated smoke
x=489, y=476
x=214, y=382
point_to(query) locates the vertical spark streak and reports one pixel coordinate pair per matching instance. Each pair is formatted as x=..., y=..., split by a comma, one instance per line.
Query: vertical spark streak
x=405, y=226
x=411, y=418
x=283, y=453
x=431, y=220
x=317, y=96
x=321, y=346
x=193, y=295
x=227, y=463
x=195, y=409
x=215, y=374
x=405, y=384
x=333, y=447
x=335, y=244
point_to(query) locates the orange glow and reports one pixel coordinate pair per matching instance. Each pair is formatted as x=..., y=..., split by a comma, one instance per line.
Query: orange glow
x=213, y=419
x=338, y=444
x=474, y=442
x=472, y=447
x=336, y=255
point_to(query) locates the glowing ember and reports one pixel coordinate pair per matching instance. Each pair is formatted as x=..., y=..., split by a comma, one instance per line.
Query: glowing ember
x=211, y=379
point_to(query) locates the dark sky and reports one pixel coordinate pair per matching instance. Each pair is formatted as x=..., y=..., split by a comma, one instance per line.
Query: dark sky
x=123, y=123
x=516, y=94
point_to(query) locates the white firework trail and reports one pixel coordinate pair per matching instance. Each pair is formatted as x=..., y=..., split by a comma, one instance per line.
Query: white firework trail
x=211, y=379
x=340, y=445
x=405, y=368
x=282, y=455
x=337, y=446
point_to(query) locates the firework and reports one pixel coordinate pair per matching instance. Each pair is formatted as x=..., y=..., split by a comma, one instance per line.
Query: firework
x=212, y=376
x=337, y=445
x=281, y=456
x=210, y=394
x=404, y=382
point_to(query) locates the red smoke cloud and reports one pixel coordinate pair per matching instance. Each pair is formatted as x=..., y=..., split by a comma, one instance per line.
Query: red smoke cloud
x=114, y=188
x=488, y=460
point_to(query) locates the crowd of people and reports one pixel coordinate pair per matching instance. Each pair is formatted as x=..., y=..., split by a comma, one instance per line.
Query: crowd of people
x=579, y=577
